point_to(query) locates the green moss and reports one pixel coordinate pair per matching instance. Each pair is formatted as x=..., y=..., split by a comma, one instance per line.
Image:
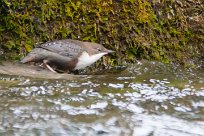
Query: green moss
x=136, y=29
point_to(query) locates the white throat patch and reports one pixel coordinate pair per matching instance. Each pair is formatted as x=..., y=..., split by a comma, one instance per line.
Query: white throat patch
x=86, y=60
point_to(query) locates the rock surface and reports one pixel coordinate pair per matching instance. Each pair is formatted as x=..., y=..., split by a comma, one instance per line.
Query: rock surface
x=15, y=68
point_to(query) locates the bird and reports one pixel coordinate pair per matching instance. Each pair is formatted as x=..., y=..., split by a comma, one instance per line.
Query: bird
x=66, y=55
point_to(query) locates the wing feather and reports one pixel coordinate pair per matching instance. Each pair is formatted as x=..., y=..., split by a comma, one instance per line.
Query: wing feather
x=68, y=48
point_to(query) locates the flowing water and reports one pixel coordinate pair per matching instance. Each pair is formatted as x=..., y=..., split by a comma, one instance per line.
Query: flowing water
x=146, y=99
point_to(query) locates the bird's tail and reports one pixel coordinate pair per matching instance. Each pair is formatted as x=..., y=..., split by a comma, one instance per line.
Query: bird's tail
x=28, y=58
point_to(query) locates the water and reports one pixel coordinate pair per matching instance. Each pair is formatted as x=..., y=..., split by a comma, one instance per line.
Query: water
x=146, y=99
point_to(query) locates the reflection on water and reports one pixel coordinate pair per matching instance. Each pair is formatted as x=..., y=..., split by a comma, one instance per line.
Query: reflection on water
x=146, y=99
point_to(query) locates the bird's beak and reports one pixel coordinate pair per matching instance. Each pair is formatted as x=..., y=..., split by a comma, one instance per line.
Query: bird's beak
x=110, y=51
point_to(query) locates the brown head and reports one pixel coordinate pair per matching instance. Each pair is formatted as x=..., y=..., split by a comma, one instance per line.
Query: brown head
x=95, y=48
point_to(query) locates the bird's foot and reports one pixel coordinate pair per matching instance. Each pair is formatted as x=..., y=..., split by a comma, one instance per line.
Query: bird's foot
x=47, y=66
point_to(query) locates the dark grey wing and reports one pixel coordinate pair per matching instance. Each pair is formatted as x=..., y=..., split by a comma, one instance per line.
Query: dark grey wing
x=69, y=48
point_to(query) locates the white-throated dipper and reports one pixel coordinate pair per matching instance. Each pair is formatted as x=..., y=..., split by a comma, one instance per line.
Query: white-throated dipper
x=66, y=55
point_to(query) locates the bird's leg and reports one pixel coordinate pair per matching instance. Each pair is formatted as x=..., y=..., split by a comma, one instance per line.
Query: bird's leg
x=47, y=66
x=41, y=65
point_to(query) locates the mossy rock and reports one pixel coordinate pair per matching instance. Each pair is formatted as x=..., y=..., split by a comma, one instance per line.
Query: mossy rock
x=168, y=31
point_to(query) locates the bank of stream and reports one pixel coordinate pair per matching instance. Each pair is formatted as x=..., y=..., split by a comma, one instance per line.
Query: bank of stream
x=147, y=98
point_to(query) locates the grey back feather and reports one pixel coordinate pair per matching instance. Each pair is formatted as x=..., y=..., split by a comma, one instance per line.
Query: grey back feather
x=68, y=48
